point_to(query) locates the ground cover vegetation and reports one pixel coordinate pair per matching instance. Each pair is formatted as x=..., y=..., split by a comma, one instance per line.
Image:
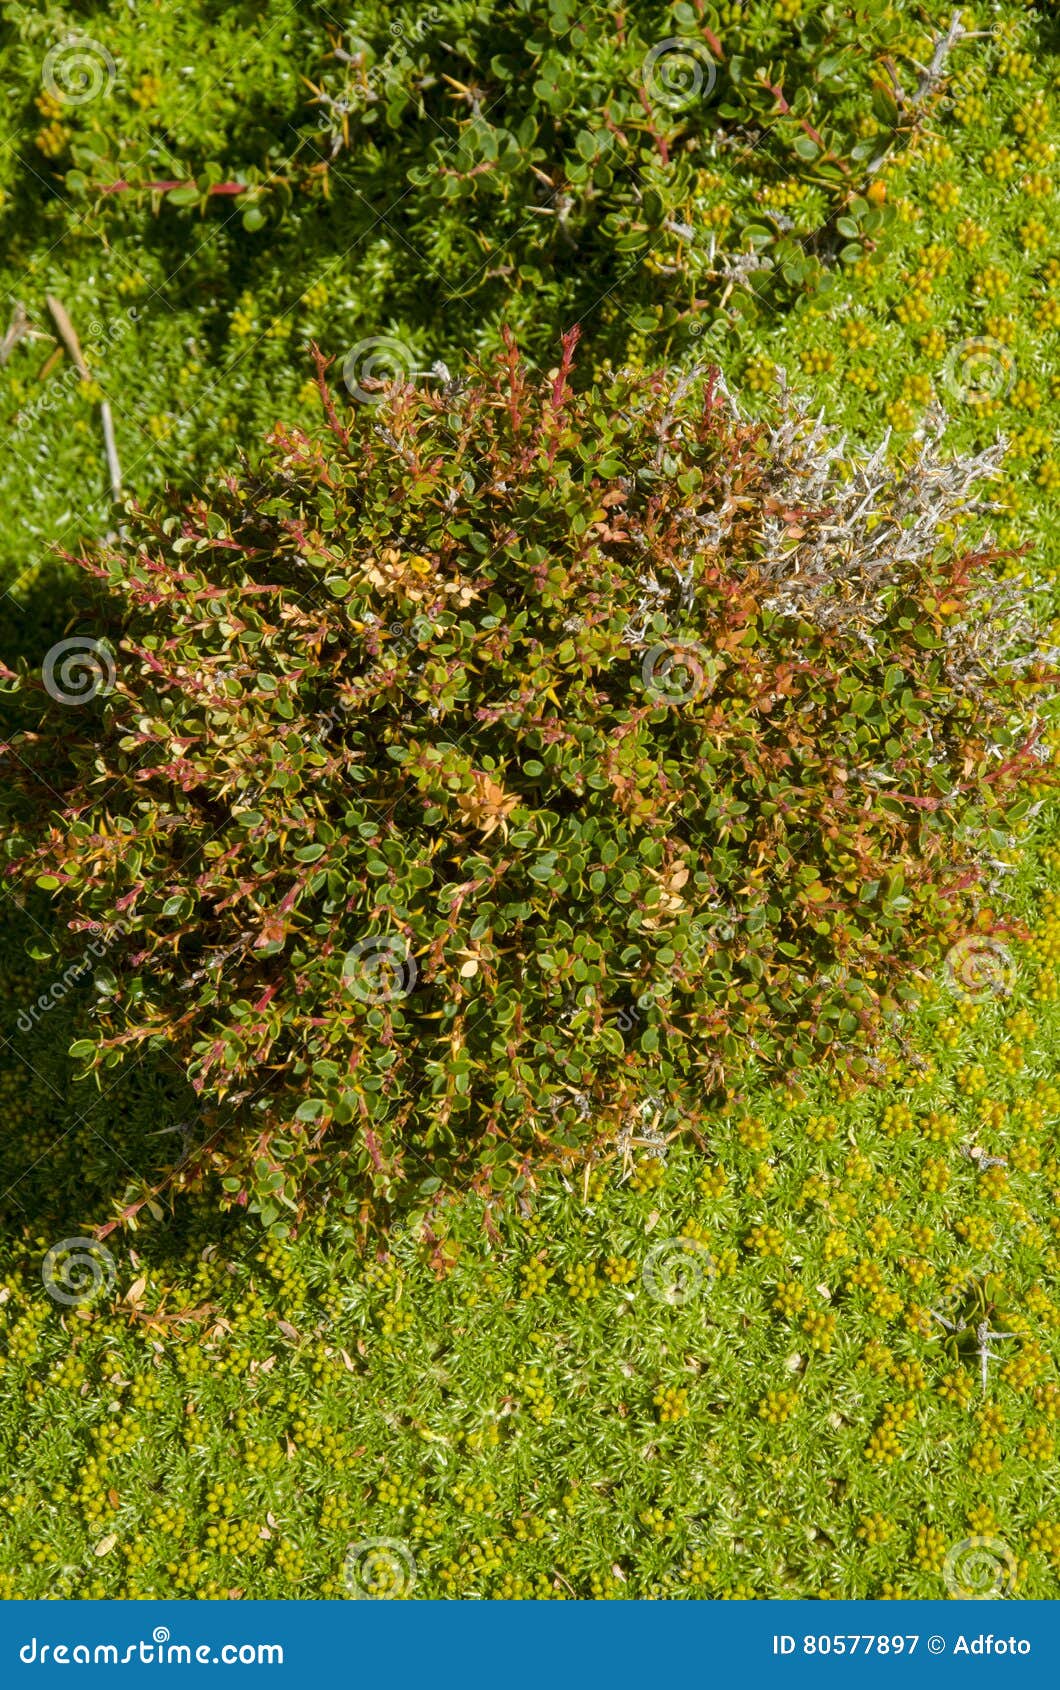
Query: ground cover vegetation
x=815, y=1352
x=668, y=734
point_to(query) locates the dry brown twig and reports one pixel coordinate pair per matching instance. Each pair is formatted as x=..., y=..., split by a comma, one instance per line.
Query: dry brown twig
x=68, y=336
x=19, y=328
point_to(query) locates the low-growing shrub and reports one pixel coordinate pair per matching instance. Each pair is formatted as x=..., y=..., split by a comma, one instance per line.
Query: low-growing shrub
x=642, y=167
x=505, y=766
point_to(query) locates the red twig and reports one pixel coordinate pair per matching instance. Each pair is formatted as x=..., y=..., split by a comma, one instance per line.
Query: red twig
x=559, y=386
x=123, y=187
x=815, y=136
x=323, y=365
x=660, y=142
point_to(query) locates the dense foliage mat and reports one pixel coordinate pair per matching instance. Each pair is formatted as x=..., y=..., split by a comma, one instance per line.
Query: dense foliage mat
x=532, y=160
x=430, y=753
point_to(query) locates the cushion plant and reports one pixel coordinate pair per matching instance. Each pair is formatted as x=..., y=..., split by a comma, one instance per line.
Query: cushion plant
x=503, y=765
